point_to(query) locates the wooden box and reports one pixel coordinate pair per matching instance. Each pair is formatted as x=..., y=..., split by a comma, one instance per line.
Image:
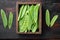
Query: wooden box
x=39, y=17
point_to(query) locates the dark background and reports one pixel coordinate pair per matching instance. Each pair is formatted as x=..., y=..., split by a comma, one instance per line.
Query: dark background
x=52, y=5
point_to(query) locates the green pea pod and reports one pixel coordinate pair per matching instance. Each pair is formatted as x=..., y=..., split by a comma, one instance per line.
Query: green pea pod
x=10, y=21
x=25, y=24
x=27, y=11
x=35, y=28
x=31, y=14
x=53, y=20
x=29, y=23
x=20, y=12
x=20, y=24
x=35, y=14
x=32, y=26
x=30, y=11
x=4, y=18
x=47, y=18
x=24, y=11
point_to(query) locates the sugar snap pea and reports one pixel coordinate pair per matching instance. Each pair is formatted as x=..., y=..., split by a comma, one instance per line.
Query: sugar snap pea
x=10, y=21
x=36, y=8
x=20, y=12
x=47, y=18
x=4, y=18
x=30, y=11
x=35, y=16
x=24, y=11
x=21, y=21
x=34, y=28
x=53, y=20
x=25, y=24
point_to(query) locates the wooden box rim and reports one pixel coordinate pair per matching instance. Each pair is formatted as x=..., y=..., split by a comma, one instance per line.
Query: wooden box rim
x=40, y=17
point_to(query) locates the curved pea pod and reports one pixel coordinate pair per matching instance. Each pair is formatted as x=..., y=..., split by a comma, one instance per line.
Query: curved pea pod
x=22, y=28
x=29, y=23
x=30, y=11
x=35, y=14
x=4, y=18
x=35, y=17
x=10, y=21
x=20, y=12
x=35, y=27
x=24, y=11
x=47, y=18
x=26, y=24
x=20, y=24
x=53, y=20
x=27, y=11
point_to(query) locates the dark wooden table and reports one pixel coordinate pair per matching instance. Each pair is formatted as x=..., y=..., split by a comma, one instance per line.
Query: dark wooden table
x=10, y=5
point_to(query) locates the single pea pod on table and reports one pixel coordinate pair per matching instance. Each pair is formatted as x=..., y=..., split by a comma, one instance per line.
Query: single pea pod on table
x=53, y=20
x=4, y=18
x=47, y=18
x=10, y=21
